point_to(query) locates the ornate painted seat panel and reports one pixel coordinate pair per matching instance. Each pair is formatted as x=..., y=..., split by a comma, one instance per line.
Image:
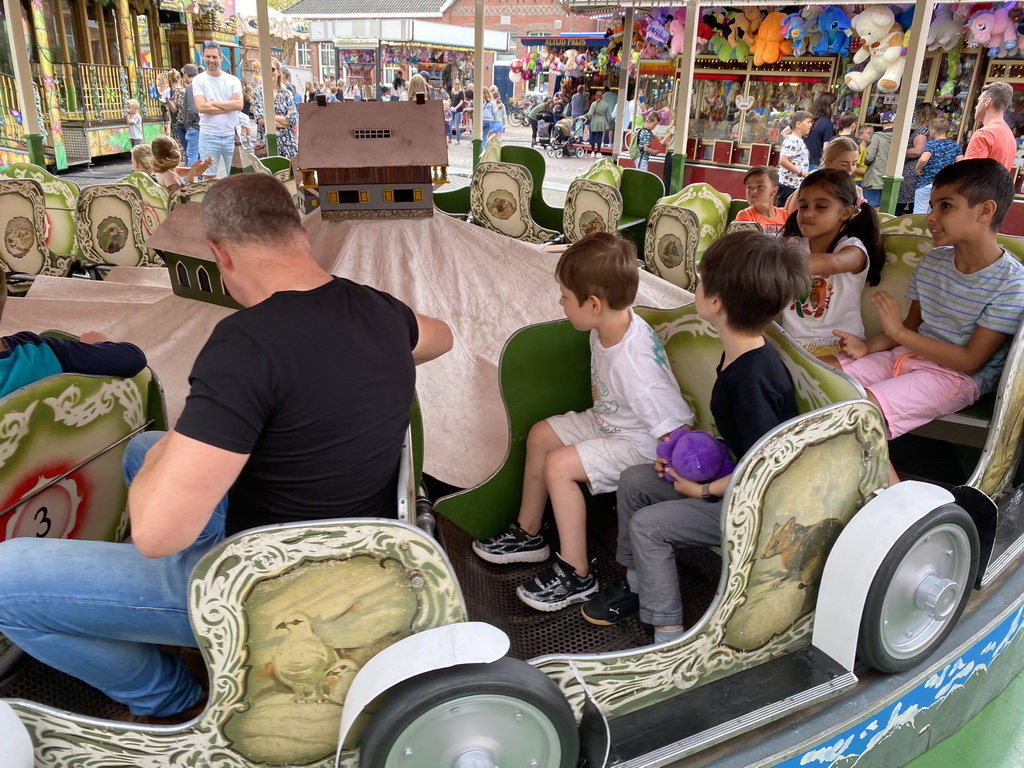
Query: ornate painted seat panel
x=500, y=201
x=670, y=245
x=59, y=196
x=110, y=226
x=743, y=226
x=285, y=617
x=24, y=222
x=154, y=200
x=911, y=224
x=591, y=206
x=711, y=207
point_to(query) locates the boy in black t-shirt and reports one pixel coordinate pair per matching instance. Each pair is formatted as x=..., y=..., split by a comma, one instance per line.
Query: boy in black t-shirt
x=752, y=395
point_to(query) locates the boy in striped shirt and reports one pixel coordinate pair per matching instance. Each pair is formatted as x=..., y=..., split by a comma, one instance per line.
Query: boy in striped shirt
x=967, y=302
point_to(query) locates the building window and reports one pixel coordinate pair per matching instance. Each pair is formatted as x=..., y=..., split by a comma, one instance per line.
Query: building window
x=182, y=273
x=376, y=133
x=303, y=58
x=204, y=280
x=328, y=66
x=348, y=196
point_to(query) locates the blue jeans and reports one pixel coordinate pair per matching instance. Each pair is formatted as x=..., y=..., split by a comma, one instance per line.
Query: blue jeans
x=220, y=148
x=457, y=126
x=190, y=143
x=641, y=162
x=922, y=199
x=873, y=196
x=96, y=610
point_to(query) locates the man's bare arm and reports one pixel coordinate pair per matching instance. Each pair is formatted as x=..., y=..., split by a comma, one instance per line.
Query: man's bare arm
x=174, y=494
x=435, y=339
x=217, y=107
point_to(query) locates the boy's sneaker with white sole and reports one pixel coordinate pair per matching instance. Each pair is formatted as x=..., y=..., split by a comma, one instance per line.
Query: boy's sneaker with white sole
x=557, y=587
x=513, y=545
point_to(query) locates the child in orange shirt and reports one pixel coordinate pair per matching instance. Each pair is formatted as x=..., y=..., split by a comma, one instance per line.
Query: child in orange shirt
x=762, y=185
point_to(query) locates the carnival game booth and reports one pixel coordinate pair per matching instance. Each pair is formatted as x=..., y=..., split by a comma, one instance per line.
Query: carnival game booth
x=739, y=72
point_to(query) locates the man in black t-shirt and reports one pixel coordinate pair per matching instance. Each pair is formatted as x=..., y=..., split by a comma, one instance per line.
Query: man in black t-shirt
x=297, y=411
x=752, y=395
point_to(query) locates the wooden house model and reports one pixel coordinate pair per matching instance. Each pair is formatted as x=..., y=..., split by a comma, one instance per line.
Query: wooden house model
x=195, y=273
x=371, y=159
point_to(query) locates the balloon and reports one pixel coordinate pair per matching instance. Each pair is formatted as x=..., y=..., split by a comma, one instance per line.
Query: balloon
x=514, y=77
x=516, y=66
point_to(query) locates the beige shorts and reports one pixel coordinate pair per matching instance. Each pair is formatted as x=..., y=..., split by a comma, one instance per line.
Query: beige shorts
x=603, y=456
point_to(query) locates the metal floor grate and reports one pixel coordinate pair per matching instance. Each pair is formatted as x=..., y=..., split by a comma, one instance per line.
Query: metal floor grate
x=490, y=589
x=37, y=682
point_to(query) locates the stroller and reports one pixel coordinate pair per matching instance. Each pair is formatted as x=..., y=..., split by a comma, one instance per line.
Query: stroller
x=567, y=140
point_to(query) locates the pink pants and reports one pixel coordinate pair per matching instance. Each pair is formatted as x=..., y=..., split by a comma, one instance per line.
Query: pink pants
x=910, y=389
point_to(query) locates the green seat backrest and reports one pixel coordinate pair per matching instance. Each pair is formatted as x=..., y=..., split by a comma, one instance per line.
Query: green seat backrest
x=492, y=150
x=341, y=589
x=110, y=226
x=670, y=245
x=902, y=255
x=884, y=217
x=154, y=200
x=911, y=224
x=256, y=165
x=590, y=206
x=545, y=370
x=60, y=459
x=59, y=196
x=275, y=164
x=605, y=171
x=453, y=202
x=23, y=222
x=711, y=207
x=500, y=201
x=1013, y=244
x=640, y=192
x=735, y=207
x=547, y=216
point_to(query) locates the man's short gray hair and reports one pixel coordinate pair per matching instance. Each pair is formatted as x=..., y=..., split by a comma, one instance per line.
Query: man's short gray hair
x=1001, y=95
x=248, y=208
x=189, y=70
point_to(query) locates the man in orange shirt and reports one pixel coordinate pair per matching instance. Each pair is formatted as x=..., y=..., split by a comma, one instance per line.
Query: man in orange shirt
x=994, y=139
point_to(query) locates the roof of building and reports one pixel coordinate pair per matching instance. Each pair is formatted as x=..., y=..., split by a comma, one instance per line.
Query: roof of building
x=371, y=134
x=182, y=233
x=365, y=9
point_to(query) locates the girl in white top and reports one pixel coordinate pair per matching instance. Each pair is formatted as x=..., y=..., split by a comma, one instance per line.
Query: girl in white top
x=844, y=250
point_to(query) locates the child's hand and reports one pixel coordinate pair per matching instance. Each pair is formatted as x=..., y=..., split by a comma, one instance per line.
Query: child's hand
x=684, y=487
x=199, y=167
x=854, y=346
x=888, y=313
x=93, y=337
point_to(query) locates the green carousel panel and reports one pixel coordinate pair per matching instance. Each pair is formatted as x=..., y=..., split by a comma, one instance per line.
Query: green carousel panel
x=285, y=617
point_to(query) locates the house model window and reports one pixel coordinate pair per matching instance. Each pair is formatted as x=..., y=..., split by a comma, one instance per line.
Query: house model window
x=348, y=196
x=383, y=133
x=403, y=195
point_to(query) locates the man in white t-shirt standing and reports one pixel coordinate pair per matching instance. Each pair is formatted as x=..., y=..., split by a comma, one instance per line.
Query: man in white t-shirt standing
x=218, y=98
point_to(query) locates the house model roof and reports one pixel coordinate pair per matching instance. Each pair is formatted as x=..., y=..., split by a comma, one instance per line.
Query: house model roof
x=182, y=233
x=397, y=133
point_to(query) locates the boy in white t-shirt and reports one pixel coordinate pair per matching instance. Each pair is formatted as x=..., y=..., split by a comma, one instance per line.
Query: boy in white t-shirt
x=636, y=402
x=218, y=98
x=134, y=120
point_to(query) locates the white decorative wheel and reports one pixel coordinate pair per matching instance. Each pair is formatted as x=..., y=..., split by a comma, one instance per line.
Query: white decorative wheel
x=920, y=591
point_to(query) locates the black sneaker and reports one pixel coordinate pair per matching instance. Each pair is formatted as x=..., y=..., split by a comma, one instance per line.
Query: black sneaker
x=513, y=545
x=612, y=605
x=557, y=587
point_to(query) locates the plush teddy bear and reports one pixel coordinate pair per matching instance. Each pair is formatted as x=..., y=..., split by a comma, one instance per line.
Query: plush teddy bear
x=881, y=46
x=770, y=44
x=994, y=30
x=676, y=29
x=744, y=26
x=834, y=26
x=945, y=31
x=695, y=456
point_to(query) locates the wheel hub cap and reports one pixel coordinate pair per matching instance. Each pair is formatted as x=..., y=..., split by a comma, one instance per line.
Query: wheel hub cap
x=937, y=597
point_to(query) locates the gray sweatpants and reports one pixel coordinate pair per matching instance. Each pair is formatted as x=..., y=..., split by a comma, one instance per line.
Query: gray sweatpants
x=653, y=521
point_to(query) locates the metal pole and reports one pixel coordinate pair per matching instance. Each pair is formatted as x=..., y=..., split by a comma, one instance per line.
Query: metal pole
x=905, y=106
x=23, y=82
x=269, y=123
x=684, y=96
x=478, y=71
x=620, y=104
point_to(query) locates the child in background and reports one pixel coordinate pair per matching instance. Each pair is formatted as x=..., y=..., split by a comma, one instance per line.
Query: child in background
x=843, y=244
x=447, y=106
x=752, y=395
x=939, y=151
x=636, y=403
x=644, y=139
x=875, y=158
x=794, y=157
x=841, y=154
x=967, y=302
x=142, y=159
x=165, y=162
x=134, y=121
x=762, y=185
x=864, y=137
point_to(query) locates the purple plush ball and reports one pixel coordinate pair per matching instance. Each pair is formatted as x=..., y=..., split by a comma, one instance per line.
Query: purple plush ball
x=696, y=456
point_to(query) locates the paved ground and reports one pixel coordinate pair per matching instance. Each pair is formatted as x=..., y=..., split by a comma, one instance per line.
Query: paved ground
x=560, y=170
